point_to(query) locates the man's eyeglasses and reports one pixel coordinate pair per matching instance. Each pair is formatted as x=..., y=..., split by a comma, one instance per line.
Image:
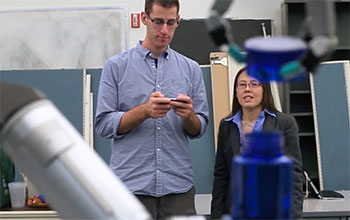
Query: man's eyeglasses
x=252, y=84
x=159, y=22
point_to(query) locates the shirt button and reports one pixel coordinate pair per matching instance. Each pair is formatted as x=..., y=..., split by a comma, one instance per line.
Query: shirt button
x=158, y=128
x=153, y=66
x=158, y=86
x=158, y=149
x=158, y=171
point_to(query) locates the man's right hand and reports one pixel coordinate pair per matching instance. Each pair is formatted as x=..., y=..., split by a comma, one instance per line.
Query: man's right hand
x=157, y=105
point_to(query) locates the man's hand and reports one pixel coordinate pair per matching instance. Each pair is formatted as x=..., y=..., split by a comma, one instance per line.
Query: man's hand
x=183, y=107
x=157, y=106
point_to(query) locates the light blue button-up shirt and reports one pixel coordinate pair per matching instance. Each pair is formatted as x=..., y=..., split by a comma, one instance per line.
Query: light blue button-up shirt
x=153, y=158
x=258, y=126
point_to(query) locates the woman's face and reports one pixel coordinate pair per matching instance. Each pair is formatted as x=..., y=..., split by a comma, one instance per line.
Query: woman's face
x=249, y=92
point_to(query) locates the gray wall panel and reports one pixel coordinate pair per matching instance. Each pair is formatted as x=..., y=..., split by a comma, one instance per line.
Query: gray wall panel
x=333, y=125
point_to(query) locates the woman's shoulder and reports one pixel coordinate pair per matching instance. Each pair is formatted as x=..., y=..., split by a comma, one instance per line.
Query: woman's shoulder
x=284, y=118
x=226, y=123
x=283, y=115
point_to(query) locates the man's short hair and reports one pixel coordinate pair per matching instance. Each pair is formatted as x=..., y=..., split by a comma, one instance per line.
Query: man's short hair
x=164, y=3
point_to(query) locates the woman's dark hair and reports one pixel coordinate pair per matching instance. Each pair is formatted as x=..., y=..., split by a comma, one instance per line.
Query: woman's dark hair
x=267, y=100
x=164, y=3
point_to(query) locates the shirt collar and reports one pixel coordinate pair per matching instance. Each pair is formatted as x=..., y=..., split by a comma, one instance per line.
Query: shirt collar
x=144, y=52
x=237, y=117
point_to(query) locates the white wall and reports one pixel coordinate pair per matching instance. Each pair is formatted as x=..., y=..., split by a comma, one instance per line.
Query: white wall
x=263, y=9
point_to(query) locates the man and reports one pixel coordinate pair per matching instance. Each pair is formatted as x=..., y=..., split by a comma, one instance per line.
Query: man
x=150, y=131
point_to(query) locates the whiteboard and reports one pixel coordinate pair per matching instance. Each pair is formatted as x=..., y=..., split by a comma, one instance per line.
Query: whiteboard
x=61, y=38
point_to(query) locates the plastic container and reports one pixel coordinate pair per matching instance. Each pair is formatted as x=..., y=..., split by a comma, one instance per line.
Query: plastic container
x=18, y=194
x=262, y=179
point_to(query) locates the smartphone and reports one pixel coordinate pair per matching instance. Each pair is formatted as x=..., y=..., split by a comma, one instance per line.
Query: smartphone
x=177, y=100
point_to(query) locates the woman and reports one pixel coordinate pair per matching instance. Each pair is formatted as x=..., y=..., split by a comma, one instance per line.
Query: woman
x=253, y=109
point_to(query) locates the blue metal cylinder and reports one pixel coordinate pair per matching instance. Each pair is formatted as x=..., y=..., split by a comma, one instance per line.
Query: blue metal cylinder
x=262, y=179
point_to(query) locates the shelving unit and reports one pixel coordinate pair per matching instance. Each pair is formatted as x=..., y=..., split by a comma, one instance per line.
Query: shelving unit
x=298, y=103
x=293, y=17
x=297, y=96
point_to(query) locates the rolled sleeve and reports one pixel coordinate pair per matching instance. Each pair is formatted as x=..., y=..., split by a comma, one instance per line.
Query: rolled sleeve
x=204, y=123
x=108, y=115
x=199, y=99
x=107, y=125
x=118, y=117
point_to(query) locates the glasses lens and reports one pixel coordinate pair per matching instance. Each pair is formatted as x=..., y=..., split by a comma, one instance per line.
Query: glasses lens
x=158, y=21
x=171, y=22
x=254, y=84
x=242, y=85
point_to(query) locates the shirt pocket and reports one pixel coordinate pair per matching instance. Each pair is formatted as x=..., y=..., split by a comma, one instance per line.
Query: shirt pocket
x=176, y=85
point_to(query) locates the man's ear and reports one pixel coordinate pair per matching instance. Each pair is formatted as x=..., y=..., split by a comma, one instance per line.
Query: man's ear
x=143, y=17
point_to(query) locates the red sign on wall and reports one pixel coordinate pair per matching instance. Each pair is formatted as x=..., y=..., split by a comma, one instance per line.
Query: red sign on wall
x=135, y=20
